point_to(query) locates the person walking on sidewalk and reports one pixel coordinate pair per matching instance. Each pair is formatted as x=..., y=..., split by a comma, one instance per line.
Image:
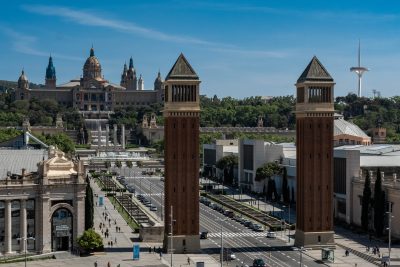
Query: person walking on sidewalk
x=95, y=264
x=188, y=260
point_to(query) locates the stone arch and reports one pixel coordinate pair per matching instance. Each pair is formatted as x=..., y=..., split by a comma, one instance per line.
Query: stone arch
x=59, y=206
x=62, y=221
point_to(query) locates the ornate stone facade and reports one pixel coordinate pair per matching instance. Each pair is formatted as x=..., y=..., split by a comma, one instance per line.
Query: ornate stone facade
x=48, y=205
x=92, y=93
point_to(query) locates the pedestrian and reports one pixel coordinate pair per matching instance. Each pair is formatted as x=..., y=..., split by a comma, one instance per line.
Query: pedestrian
x=96, y=203
x=188, y=260
x=154, y=249
x=116, y=228
x=115, y=221
x=95, y=264
x=160, y=254
x=149, y=249
x=108, y=243
x=108, y=264
x=111, y=243
x=115, y=240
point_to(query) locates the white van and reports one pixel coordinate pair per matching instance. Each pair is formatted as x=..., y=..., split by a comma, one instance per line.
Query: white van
x=271, y=234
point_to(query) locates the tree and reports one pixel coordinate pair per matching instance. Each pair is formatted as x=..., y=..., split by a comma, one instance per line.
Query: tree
x=89, y=209
x=285, y=187
x=8, y=134
x=266, y=171
x=379, y=205
x=90, y=240
x=129, y=164
x=366, y=202
x=227, y=164
x=62, y=141
x=118, y=164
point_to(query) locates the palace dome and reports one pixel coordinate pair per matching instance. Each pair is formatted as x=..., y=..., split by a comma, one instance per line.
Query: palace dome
x=92, y=67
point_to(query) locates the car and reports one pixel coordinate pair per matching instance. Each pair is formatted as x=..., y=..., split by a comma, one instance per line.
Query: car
x=237, y=218
x=232, y=256
x=153, y=208
x=148, y=204
x=271, y=234
x=257, y=227
x=259, y=263
x=162, y=179
x=203, y=235
x=247, y=223
x=229, y=213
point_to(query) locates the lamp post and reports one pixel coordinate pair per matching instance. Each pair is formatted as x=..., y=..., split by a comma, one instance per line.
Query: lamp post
x=390, y=232
x=301, y=250
x=283, y=218
x=289, y=223
x=222, y=242
x=172, y=233
x=25, y=239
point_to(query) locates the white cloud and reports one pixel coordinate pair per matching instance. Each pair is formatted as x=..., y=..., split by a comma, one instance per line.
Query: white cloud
x=90, y=19
x=86, y=18
x=26, y=44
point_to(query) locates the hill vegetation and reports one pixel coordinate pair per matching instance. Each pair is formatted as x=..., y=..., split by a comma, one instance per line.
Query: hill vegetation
x=276, y=112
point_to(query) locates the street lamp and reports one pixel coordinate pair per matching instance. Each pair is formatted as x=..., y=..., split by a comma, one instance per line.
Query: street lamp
x=222, y=242
x=289, y=222
x=25, y=240
x=283, y=218
x=172, y=233
x=301, y=250
x=390, y=216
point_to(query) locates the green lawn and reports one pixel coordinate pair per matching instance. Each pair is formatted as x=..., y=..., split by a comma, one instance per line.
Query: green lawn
x=124, y=214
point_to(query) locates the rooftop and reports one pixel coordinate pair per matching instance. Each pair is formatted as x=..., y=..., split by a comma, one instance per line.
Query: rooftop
x=14, y=160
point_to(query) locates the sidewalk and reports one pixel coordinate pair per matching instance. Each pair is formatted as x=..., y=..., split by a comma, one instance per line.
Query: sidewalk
x=344, y=239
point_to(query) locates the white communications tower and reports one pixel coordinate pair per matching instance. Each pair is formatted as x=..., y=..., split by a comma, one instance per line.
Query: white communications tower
x=359, y=70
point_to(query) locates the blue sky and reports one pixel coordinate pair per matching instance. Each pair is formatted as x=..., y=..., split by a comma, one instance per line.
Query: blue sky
x=238, y=48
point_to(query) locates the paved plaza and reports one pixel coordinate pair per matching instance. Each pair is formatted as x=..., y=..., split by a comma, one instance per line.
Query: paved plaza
x=121, y=251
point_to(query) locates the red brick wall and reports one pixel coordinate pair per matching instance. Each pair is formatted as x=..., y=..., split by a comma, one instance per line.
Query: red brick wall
x=314, y=170
x=182, y=174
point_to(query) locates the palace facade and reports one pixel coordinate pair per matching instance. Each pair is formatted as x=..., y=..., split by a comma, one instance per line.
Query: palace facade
x=92, y=93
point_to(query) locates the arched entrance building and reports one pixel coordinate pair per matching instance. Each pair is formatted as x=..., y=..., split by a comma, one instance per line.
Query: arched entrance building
x=48, y=205
x=62, y=228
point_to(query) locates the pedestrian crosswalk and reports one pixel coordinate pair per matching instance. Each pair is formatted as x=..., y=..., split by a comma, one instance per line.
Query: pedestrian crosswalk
x=153, y=194
x=242, y=234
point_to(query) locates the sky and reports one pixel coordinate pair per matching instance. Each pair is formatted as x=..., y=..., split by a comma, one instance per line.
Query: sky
x=239, y=48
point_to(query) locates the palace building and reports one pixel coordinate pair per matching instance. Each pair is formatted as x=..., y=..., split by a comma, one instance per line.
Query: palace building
x=92, y=93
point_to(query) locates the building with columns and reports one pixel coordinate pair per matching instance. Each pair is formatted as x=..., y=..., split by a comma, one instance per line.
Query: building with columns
x=92, y=93
x=46, y=202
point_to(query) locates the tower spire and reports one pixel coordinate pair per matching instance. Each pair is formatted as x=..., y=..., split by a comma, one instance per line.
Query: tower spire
x=359, y=70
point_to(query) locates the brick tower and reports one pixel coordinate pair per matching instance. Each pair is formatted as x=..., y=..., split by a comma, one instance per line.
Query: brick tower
x=181, y=131
x=314, y=137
